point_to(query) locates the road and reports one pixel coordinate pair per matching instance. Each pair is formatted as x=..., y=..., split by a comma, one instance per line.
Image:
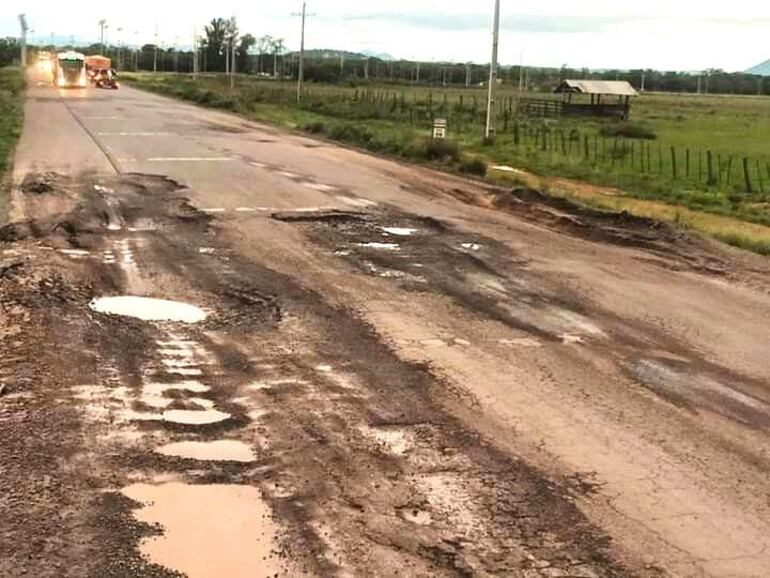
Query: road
x=400, y=372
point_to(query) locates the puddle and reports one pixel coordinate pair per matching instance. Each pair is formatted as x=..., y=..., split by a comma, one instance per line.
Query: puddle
x=75, y=252
x=399, y=231
x=209, y=530
x=158, y=389
x=193, y=417
x=216, y=451
x=148, y=309
x=184, y=371
x=179, y=416
x=384, y=246
x=471, y=246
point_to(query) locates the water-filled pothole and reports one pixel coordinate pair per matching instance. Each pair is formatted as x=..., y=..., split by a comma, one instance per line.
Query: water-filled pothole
x=216, y=451
x=209, y=531
x=148, y=309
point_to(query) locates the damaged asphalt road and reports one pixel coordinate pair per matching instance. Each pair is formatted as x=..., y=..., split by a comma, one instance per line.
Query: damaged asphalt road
x=225, y=356
x=351, y=452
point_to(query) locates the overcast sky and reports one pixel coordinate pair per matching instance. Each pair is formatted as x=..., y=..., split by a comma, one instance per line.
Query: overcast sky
x=662, y=34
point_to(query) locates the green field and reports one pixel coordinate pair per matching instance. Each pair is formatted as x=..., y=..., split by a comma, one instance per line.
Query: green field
x=703, y=153
x=11, y=88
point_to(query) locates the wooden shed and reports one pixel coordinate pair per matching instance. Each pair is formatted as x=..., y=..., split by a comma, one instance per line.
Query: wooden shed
x=607, y=97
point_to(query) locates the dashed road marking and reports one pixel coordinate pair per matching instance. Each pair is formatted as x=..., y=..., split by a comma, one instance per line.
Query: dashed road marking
x=189, y=159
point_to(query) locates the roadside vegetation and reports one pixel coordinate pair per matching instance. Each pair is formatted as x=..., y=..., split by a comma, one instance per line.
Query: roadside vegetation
x=11, y=88
x=669, y=154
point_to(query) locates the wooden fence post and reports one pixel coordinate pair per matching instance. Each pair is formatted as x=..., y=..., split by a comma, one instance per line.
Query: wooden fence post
x=710, y=162
x=660, y=159
x=585, y=147
x=673, y=162
x=687, y=163
x=759, y=178
x=747, y=176
x=729, y=170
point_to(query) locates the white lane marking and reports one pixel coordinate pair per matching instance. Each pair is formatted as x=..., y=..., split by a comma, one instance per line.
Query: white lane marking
x=258, y=165
x=189, y=159
x=216, y=210
x=245, y=209
x=321, y=187
x=133, y=134
x=289, y=175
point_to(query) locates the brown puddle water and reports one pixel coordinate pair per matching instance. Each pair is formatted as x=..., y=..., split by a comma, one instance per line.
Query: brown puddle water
x=209, y=531
x=216, y=451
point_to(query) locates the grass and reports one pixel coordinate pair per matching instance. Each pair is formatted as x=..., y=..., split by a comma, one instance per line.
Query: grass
x=11, y=110
x=396, y=121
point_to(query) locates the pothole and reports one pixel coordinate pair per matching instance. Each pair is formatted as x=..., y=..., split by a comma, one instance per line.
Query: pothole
x=382, y=246
x=179, y=416
x=399, y=231
x=148, y=309
x=216, y=451
x=416, y=516
x=209, y=531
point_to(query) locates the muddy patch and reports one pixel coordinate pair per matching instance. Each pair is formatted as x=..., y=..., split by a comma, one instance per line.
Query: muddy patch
x=209, y=531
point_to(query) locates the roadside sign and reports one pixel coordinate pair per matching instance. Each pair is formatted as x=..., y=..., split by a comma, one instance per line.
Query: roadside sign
x=439, y=128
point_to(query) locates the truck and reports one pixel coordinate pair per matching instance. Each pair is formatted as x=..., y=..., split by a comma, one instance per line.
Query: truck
x=97, y=63
x=69, y=70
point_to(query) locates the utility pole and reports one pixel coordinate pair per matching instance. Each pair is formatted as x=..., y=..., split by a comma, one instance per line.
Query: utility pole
x=490, y=129
x=230, y=54
x=102, y=25
x=120, y=48
x=155, y=51
x=195, y=54
x=24, y=28
x=301, y=71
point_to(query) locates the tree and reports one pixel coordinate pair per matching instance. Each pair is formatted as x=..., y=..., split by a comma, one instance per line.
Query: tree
x=246, y=43
x=9, y=51
x=277, y=47
x=264, y=44
x=215, y=43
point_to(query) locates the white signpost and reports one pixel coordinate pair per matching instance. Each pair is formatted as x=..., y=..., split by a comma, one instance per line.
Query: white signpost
x=439, y=128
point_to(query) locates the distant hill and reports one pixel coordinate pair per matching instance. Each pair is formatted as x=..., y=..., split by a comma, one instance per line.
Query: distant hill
x=760, y=69
x=335, y=54
x=381, y=55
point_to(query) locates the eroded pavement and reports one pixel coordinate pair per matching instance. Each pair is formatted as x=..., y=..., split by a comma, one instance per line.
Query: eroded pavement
x=405, y=374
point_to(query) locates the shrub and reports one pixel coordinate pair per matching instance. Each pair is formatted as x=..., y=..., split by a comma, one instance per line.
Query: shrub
x=439, y=149
x=350, y=133
x=314, y=127
x=473, y=166
x=628, y=130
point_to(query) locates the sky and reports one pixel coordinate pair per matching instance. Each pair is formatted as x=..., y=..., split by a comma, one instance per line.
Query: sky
x=660, y=34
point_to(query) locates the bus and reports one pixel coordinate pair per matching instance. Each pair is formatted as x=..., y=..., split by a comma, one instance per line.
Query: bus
x=69, y=70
